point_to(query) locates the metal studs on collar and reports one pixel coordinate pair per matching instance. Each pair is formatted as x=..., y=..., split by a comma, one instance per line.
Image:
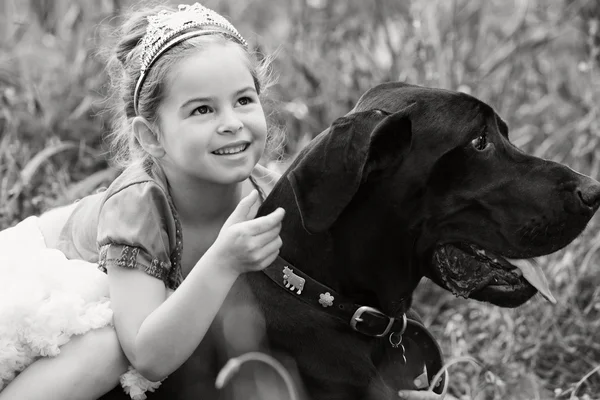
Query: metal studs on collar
x=293, y=281
x=326, y=299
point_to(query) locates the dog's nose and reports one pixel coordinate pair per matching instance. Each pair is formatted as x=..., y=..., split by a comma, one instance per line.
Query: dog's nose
x=589, y=192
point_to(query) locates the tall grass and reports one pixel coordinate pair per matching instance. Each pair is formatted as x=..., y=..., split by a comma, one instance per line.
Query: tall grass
x=536, y=61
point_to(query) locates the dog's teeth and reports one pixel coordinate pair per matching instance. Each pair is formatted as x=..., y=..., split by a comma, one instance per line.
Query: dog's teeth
x=533, y=273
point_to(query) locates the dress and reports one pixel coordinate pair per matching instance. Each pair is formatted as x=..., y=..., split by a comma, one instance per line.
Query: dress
x=47, y=294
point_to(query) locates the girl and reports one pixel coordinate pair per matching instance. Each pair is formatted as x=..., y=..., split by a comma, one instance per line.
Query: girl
x=174, y=230
x=192, y=130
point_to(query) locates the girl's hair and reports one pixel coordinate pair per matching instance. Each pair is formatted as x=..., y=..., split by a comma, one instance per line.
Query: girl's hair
x=124, y=70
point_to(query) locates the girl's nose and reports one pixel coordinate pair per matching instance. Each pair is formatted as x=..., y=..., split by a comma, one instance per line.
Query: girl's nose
x=230, y=123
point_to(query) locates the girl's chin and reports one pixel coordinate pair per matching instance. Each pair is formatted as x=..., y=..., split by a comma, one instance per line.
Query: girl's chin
x=233, y=175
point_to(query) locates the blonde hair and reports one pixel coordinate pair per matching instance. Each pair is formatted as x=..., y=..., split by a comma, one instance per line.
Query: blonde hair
x=124, y=70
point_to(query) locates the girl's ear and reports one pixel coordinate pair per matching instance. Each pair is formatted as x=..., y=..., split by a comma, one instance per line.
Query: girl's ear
x=148, y=139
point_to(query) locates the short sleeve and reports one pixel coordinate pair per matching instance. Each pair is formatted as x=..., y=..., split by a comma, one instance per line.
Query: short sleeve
x=136, y=229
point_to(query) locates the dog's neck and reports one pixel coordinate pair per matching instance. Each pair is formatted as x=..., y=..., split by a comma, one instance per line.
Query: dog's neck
x=376, y=251
x=365, y=257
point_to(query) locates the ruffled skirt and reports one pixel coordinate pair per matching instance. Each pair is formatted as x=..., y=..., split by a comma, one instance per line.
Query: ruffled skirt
x=45, y=299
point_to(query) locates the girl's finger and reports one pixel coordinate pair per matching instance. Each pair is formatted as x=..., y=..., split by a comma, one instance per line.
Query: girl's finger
x=245, y=210
x=272, y=247
x=265, y=223
x=268, y=260
x=262, y=239
x=254, y=206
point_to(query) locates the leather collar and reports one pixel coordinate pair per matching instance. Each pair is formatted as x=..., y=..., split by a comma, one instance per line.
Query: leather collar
x=406, y=334
x=364, y=319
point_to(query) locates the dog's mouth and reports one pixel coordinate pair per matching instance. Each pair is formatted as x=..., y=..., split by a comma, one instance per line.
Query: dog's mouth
x=470, y=271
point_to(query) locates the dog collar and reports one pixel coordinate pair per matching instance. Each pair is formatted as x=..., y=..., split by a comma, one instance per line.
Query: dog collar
x=405, y=334
x=363, y=319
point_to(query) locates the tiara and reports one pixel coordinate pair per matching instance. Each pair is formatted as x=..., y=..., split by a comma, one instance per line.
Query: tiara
x=165, y=29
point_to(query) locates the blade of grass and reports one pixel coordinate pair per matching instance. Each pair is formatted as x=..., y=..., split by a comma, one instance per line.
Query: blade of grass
x=43, y=156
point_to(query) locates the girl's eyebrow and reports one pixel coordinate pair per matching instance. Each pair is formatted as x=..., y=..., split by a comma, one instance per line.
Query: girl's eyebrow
x=207, y=99
x=196, y=100
x=247, y=88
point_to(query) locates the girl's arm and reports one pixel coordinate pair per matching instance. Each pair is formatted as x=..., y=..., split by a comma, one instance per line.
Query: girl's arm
x=159, y=333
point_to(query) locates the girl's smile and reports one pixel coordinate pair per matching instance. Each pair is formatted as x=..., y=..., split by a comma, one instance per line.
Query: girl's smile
x=232, y=149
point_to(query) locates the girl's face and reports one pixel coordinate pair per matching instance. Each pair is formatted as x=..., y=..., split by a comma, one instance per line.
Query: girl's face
x=212, y=124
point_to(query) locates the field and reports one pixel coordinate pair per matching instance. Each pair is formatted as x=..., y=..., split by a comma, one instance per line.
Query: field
x=537, y=62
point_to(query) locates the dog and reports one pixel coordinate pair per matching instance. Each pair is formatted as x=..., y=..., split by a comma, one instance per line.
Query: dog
x=414, y=182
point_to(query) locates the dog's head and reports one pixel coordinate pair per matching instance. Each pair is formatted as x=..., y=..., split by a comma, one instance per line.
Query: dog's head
x=425, y=182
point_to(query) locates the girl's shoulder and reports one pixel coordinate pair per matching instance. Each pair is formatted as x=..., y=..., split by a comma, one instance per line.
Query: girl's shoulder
x=52, y=222
x=136, y=175
x=134, y=206
x=122, y=208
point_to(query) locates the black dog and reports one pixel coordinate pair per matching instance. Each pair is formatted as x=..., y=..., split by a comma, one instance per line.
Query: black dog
x=413, y=182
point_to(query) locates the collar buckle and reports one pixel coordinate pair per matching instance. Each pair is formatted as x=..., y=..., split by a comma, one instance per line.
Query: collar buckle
x=370, y=316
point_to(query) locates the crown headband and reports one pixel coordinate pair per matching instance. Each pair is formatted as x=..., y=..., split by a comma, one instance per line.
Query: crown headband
x=165, y=29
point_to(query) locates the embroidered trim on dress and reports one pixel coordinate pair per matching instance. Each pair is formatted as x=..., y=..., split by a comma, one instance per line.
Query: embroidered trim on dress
x=128, y=259
x=176, y=275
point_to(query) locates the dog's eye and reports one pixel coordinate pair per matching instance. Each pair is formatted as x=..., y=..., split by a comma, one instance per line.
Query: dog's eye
x=481, y=143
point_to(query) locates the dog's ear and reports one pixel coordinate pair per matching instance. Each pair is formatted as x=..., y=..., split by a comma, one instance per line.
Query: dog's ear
x=331, y=169
x=390, y=141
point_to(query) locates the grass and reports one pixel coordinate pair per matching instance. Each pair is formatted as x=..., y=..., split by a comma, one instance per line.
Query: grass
x=536, y=62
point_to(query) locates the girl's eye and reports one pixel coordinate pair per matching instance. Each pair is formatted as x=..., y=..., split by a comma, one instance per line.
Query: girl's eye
x=245, y=101
x=481, y=143
x=201, y=110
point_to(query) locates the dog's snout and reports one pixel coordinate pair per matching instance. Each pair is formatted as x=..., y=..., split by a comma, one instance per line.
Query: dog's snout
x=589, y=193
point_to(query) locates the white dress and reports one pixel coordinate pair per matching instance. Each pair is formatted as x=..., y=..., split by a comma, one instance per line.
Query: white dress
x=45, y=299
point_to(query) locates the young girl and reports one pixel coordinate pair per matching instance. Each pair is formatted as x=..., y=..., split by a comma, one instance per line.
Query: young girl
x=173, y=231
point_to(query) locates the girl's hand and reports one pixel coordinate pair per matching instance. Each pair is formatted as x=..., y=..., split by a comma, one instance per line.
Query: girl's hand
x=247, y=244
x=419, y=395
